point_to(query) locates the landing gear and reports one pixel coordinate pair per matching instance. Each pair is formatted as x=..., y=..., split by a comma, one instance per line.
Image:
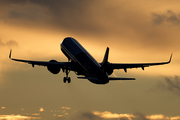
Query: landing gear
x=64, y=80
x=67, y=78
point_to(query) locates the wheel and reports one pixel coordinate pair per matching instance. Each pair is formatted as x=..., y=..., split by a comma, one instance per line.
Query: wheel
x=69, y=79
x=64, y=80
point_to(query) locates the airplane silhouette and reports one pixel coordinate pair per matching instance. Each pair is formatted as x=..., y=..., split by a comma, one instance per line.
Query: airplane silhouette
x=82, y=63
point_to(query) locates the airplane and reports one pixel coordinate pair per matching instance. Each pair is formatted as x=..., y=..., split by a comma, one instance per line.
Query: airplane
x=82, y=63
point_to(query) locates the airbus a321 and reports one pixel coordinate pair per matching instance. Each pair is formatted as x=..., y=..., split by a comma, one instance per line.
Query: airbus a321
x=82, y=63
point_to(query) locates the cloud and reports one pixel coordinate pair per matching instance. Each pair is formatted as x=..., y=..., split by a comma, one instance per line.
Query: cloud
x=85, y=116
x=157, y=117
x=66, y=108
x=140, y=116
x=97, y=115
x=17, y=117
x=9, y=43
x=109, y=115
x=167, y=18
x=35, y=114
x=81, y=17
x=24, y=14
x=41, y=110
x=61, y=14
x=127, y=26
x=171, y=84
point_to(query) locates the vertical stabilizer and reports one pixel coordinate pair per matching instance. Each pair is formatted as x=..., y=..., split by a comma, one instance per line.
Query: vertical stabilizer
x=105, y=61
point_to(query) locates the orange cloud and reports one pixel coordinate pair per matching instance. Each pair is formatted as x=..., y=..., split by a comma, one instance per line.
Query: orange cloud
x=17, y=117
x=175, y=118
x=41, y=110
x=67, y=108
x=36, y=114
x=2, y=107
x=162, y=117
x=109, y=115
x=155, y=117
x=60, y=115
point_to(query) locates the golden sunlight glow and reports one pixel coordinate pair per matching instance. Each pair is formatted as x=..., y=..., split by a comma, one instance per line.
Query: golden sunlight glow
x=146, y=31
x=109, y=115
x=66, y=108
x=162, y=117
x=155, y=117
x=17, y=117
x=175, y=118
x=60, y=115
x=41, y=110
x=36, y=114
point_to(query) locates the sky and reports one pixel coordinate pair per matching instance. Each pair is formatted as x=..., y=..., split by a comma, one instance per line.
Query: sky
x=138, y=31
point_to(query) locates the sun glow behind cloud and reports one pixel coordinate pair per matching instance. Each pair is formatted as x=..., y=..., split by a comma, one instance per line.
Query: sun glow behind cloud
x=60, y=112
x=162, y=117
x=109, y=115
x=17, y=117
x=41, y=110
x=134, y=31
x=104, y=115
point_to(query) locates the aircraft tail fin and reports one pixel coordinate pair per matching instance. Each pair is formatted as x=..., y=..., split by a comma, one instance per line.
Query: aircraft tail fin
x=105, y=60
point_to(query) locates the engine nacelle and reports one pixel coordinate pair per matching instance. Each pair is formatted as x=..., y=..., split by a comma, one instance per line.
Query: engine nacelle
x=53, y=69
x=109, y=71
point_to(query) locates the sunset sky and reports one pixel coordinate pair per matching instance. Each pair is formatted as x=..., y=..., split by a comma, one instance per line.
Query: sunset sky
x=136, y=31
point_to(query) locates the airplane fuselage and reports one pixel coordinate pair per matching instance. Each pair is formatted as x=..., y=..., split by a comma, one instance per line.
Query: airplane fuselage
x=86, y=63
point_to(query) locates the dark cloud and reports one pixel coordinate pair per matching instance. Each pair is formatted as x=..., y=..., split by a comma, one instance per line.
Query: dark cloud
x=68, y=15
x=93, y=17
x=9, y=43
x=140, y=116
x=171, y=84
x=101, y=20
x=167, y=18
x=86, y=116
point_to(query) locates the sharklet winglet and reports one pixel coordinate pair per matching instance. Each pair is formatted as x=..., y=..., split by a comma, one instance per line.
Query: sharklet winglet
x=10, y=54
x=170, y=58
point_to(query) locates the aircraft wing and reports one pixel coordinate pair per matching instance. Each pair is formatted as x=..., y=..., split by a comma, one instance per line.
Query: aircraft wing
x=134, y=65
x=66, y=65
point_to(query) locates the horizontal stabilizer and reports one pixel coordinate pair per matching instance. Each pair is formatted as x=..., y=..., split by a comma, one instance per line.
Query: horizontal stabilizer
x=112, y=78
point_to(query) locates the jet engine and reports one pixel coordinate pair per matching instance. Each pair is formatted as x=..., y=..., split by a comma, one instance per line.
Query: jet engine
x=109, y=71
x=53, y=69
